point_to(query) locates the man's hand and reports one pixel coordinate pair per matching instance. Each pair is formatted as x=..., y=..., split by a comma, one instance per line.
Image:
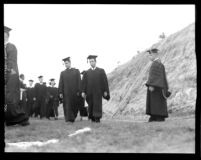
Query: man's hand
x=61, y=95
x=151, y=88
x=83, y=95
x=105, y=94
x=13, y=71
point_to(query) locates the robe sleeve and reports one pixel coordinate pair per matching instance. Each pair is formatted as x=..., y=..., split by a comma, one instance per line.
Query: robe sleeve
x=61, y=84
x=105, y=87
x=79, y=81
x=156, y=75
x=12, y=57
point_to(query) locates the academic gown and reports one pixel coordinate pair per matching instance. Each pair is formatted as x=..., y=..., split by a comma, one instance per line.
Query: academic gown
x=23, y=102
x=53, y=102
x=41, y=99
x=30, y=102
x=81, y=106
x=14, y=114
x=156, y=104
x=69, y=86
x=95, y=83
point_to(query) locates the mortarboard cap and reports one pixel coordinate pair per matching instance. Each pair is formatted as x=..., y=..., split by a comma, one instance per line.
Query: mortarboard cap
x=7, y=29
x=92, y=57
x=30, y=80
x=52, y=79
x=66, y=59
x=153, y=50
x=40, y=76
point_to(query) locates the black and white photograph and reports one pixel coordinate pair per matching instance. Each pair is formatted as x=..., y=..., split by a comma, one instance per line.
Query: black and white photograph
x=99, y=78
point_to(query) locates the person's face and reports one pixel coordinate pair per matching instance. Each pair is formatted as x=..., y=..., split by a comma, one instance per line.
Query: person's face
x=67, y=64
x=92, y=62
x=152, y=56
x=30, y=83
x=52, y=83
x=23, y=78
x=6, y=37
x=41, y=80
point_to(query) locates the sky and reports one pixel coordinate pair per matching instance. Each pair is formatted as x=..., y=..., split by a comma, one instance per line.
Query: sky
x=44, y=34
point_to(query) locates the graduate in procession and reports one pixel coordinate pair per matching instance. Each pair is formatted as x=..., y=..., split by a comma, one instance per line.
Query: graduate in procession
x=69, y=90
x=157, y=88
x=94, y=87
x=53, y=100
x=30, y=98
x=82, y=109
x=41, y=98
x=14, y=114
x=23, y=94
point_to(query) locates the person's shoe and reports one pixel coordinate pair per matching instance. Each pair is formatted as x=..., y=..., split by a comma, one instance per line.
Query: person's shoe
x=160, y=119
x=150, y=119
x=71, y=121
x=56, y=118
x=97, y=120
x=24, y=123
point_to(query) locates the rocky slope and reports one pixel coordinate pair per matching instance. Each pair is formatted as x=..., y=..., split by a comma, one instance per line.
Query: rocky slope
x=128, y=92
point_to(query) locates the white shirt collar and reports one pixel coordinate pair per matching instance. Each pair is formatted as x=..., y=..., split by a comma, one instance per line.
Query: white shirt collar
x=93, y=68
x=156, y=59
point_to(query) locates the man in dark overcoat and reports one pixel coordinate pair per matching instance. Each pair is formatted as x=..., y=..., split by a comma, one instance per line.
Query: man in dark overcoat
x=157, y=89
x=94, y=88
x=41, y=98
x=69, y=89
x=14, y=114
x=23, y=94
x=53, y=100
x=30, y=98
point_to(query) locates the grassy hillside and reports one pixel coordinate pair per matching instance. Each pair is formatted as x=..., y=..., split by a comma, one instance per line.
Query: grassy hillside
x=171, y=136
x=126, y=82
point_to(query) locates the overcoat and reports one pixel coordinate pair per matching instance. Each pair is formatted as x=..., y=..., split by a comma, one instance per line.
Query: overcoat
x=94, y=85
x=41, y=99
x=14, y=114
x=69, y=86
x=156, y=104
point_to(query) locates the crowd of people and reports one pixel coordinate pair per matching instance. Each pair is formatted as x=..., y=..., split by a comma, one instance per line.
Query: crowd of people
x=42, y=101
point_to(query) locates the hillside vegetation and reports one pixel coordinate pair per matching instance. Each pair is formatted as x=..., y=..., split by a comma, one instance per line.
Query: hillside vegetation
x=126, y=82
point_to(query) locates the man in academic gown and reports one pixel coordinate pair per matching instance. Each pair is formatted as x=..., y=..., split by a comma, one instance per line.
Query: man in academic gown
x=30, y=98
x=53, y=101
x=14, y=114
x=41, y=98
x=69, y=89
x=157, y=89
x=95, y=86
x=23, y=94
x=82, y=109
